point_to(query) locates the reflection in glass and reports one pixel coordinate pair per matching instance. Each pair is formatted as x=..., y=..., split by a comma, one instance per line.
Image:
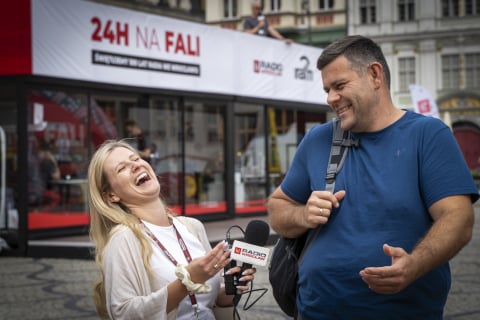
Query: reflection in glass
x=204, y=158
x=57, y=158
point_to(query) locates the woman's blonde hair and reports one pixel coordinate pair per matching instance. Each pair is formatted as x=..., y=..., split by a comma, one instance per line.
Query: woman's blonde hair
x=106, y=215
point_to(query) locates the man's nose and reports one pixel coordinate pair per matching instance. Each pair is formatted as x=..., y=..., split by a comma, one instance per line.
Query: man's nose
x=332, y=97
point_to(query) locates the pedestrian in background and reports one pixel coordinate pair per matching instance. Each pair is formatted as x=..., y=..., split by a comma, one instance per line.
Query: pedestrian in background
x=136, y=137
x=402, y=205
x=153, y=265
x=258, y=25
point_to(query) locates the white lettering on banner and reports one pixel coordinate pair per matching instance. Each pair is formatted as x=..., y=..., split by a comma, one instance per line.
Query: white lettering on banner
x=117, y=60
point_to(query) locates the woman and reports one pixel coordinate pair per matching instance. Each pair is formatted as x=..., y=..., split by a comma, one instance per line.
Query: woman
x=152, y=264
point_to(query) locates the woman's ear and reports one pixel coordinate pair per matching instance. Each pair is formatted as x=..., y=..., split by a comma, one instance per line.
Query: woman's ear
x=110, y=196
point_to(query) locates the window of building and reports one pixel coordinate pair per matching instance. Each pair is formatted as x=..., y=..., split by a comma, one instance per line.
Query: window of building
x=368, y=12
x=406, y=68
x=406, y=10
x=230, y=8
x=472, y=70
x=450, y=8
x=458, y=8
x=325, y=5
x=451, y=71
x=275, y=5
x=472, y=7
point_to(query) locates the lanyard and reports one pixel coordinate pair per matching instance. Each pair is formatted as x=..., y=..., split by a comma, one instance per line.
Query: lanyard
x=186, y=253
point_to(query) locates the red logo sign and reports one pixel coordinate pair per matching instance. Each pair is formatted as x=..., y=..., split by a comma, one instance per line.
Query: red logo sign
x=424, y=106
x=237, y=250
x=256, y=66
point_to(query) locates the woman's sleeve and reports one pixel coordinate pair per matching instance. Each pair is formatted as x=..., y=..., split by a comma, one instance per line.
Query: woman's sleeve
x=128, y=291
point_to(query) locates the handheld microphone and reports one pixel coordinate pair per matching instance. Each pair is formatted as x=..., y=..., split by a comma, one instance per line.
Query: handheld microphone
x=256, y=234
x=250, y=252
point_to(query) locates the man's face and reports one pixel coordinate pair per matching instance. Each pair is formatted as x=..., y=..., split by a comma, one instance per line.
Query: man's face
x=350, y=95
x=128, y=129
x=256, y=9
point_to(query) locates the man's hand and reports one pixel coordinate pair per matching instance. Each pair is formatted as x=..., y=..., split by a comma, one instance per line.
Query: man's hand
x=319, y=207
x=390, y=279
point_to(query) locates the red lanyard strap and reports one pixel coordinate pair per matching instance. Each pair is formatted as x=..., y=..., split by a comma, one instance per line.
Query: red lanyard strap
x=186, y=253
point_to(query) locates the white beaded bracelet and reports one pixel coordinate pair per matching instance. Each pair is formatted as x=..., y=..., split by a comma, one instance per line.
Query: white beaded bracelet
x=184, y=276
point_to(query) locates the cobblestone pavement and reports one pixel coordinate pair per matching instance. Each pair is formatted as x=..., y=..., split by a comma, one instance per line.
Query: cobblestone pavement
x=61, y=288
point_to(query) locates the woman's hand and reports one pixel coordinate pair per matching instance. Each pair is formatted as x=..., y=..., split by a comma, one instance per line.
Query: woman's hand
x=203, y=268
x=247, y=276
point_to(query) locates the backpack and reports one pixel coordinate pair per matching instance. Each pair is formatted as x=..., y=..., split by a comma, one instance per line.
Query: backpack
x=288, y=253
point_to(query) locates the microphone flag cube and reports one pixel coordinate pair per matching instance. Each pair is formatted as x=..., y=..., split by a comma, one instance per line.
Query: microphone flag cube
x=249, y=253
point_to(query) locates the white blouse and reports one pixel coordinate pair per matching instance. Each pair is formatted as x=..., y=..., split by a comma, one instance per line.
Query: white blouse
x=165, y=270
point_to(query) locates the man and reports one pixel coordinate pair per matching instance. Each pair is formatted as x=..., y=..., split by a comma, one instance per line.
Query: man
x=402, y=205
x=257, y=24
x=137, y=139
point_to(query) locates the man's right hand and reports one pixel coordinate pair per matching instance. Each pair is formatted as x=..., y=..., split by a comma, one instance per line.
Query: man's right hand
x=319, y=207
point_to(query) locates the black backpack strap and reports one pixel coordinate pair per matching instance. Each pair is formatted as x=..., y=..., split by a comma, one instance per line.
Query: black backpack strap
x=341, y=142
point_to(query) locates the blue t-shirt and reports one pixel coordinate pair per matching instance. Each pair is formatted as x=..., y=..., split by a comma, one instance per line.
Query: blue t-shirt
x=390, y=181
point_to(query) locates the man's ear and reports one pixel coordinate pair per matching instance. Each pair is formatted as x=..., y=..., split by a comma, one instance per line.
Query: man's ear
x=376, y=72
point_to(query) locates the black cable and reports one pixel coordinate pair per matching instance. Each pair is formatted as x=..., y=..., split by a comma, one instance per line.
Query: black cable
x=246, y=306
x=237, y=296
x=230, y=228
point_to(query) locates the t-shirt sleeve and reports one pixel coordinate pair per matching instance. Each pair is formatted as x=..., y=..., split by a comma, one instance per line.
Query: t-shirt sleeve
x=444, y=171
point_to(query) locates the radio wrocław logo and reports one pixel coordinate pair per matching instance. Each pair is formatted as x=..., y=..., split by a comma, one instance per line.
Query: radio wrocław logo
x=267, y=67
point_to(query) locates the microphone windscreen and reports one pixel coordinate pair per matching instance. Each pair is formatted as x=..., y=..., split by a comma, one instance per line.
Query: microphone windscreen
x=257, y=233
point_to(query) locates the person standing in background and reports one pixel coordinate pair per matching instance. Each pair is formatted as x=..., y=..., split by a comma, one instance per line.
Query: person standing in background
x=137, y=139
x=258, y=25
x=49, y=172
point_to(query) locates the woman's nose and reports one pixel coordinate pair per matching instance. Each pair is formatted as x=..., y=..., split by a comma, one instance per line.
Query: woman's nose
x=134, y=165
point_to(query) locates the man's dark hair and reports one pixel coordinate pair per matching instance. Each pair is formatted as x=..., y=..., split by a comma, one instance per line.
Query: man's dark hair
x=359, y=50
x=130, y=123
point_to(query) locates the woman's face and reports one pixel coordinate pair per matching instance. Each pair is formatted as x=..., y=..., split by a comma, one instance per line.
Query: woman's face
x=132, y=180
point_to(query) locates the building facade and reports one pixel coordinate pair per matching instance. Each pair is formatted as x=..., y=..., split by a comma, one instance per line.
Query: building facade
x=434, y=44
